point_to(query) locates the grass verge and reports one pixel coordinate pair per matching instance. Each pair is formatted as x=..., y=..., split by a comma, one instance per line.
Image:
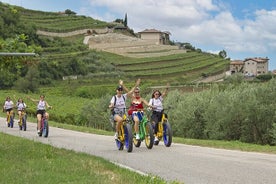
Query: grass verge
x=26, y=161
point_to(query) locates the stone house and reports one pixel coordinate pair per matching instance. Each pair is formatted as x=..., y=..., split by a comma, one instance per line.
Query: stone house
x=155, y=36
x=250, y=66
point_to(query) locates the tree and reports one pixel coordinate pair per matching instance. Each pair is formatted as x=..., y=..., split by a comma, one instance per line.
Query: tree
x=70, y=12
x=125, y=21
x=223, y=54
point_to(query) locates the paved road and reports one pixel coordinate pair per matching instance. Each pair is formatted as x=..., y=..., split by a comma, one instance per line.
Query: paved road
x=184, y=163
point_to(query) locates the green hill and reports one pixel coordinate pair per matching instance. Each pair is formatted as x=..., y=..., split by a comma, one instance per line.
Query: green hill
x=61, y=37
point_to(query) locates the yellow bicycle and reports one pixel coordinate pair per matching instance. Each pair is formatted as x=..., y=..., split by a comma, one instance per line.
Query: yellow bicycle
x=125, y=138
x=23, y=121
x=164, y=131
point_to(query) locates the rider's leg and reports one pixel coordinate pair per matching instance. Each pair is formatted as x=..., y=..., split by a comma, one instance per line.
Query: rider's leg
x=7, y=112
x=118, y=119
x=19, y=115
x=46, y=115
x=136, y=126
x=39, y=116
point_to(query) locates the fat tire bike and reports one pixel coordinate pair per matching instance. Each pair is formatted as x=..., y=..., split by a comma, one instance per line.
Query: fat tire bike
x=124, y=134
x=164, y=131
x=145, y=131
x=23, y=121
x=44, y=129
x=10, y=119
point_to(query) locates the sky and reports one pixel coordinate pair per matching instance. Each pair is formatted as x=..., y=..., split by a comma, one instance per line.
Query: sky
x=243, y=28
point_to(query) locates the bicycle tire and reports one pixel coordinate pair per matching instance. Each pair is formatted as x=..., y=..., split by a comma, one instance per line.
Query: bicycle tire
x=119, y=144
x=11, y=122
x=45, y=130
x=167, y=134
x=149, y=137
x=128, y=138
x=24, y=123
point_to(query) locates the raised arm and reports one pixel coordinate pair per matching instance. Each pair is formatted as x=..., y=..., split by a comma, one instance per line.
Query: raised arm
x=132, y=89
x=165, y=92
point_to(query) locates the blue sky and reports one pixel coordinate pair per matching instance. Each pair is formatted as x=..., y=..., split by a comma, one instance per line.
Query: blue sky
x=243, y=28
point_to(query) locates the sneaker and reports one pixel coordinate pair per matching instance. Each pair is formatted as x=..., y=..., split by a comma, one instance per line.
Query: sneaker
x=137, y=137
x=116, y=136
x=155, y=139
x=38, y=131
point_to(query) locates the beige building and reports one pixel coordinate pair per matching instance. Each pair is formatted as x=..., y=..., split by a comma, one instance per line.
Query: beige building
x=250, y=66
x=236, y=66
x=156, y=36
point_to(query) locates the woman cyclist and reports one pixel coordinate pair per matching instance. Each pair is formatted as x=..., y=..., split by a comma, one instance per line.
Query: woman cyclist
x=8, y=107
x=136, y=110
x=41, y=110
x=157, y=108
x=118, y=104
x=21, y=106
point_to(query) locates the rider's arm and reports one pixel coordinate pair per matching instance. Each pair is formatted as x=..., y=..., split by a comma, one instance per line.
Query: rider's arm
x=145, y=102
x=129, y=93
x=47, y=105
x=165, y=92
x=33, y=100
x=111, y=105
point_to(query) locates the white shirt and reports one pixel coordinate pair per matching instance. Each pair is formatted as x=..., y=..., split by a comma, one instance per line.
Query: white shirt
x=20, y=106
x=41, y=105
x=157, y=103
x=8, y=104
x=120, y=101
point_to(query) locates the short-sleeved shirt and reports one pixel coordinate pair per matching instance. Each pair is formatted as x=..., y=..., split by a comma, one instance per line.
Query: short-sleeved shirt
x=20, y=106
x=8, y=105
x=157, y=103
x=120, y=104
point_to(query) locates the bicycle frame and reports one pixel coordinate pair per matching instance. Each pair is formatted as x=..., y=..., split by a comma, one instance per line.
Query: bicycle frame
x=10, y=119
x=145, y=133
x=22, y=121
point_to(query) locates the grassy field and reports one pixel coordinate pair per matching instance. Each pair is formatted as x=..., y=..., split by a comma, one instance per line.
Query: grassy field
x=25, y=161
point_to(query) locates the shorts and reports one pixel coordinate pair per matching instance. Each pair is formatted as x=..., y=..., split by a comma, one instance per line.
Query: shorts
x=8, y=110
x=156, y=116
x=139, y=114
x=42, y=112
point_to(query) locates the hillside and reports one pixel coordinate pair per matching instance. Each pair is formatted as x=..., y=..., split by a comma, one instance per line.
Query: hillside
x=117, y=52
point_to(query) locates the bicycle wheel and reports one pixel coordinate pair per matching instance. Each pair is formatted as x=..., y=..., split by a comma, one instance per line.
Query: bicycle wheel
x=149, y=137
x=167, y=134
x=120, y=140
x=128, y=138
x=20, y=124
x=11, y=121
x=119, y=144
x=45, y=130
x=24, y=122
x=137, y=143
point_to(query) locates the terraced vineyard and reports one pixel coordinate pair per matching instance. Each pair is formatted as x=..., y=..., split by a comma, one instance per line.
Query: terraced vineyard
x=129, y=55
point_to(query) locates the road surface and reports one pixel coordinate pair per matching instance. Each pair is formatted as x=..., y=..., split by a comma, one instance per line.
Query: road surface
x=183, y=163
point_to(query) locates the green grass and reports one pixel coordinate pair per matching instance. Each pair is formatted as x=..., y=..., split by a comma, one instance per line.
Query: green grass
x=26, y=161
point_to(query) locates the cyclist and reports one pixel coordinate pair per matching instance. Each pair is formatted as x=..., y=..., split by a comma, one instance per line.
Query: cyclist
x=21, y=106
x=118, y=104
x=8, y=107
x=157, y=108
x=41, y=111
x=136, y=110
